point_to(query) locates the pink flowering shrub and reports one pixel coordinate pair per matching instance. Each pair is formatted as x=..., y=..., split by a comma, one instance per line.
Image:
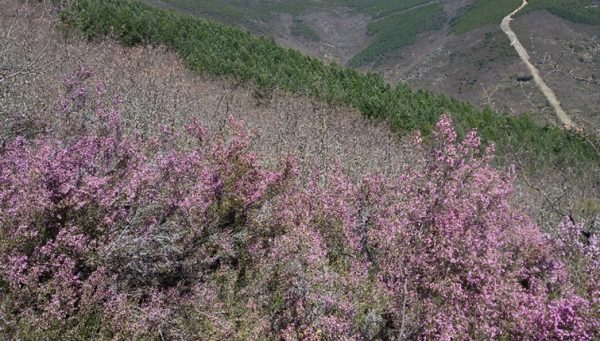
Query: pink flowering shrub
x=108, y=234
x=120, y=227
x=458, y=260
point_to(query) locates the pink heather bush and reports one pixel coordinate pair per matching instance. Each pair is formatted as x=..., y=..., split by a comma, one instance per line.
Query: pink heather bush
x=107, y=234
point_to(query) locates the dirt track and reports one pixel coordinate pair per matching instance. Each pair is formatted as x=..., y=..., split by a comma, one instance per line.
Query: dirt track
x=548, y=92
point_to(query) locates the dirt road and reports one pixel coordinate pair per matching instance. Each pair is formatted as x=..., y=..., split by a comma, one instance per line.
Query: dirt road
x=548, y=92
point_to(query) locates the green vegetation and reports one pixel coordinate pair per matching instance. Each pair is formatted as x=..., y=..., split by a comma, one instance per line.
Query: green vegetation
x=578, y=11
x=398, y=30
x=486, y=12
x=483, y=12
x=244, y=10
x=221, y=50
x=380, y=8
x=396, y=23
x=301, y=29
x=212, y=8
x=246, y=13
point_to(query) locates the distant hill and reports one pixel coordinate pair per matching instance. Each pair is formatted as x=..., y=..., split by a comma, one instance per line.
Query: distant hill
x=388, y=25
x=223, y=50
x=449, y=47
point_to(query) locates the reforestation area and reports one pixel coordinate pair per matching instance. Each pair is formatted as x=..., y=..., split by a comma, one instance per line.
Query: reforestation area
x=164, y=177
x=397, y=30
x=486, y=12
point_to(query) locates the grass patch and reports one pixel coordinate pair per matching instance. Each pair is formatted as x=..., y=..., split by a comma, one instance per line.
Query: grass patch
x=219, y=50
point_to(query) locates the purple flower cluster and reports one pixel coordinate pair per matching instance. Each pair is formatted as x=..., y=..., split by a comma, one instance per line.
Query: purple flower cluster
x=112, y=235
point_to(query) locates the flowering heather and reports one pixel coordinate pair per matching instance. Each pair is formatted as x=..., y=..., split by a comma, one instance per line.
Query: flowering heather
x=110, y=234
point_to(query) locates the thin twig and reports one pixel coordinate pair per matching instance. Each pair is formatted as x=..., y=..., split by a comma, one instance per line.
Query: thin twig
x=546, y=197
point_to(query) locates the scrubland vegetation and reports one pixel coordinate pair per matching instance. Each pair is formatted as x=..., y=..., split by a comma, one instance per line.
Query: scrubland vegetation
x=485, y=12
x=398, y=30
x=220, y=50
x=242, y=11
x=110, y=234
x=116, y=225
x=395, y=23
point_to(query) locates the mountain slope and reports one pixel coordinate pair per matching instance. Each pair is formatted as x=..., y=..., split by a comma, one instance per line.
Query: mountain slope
x=123, y=217
x=221, y=50
x=404, y=39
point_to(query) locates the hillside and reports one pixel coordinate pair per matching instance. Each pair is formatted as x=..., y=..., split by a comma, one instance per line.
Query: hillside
x=449, y=47
x=158, y=89
x=168, y=178
x=390, y=25
x=480, y=67
x=221, y=50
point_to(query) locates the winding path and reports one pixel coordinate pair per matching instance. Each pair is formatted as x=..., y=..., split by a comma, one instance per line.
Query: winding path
x=549, y=93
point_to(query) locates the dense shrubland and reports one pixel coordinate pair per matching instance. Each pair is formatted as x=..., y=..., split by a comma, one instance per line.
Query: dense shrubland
x=110, y=234
x=220, y=50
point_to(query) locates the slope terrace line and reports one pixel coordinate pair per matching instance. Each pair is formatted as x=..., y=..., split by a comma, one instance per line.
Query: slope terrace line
x=405, y=10
x=548, y=92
